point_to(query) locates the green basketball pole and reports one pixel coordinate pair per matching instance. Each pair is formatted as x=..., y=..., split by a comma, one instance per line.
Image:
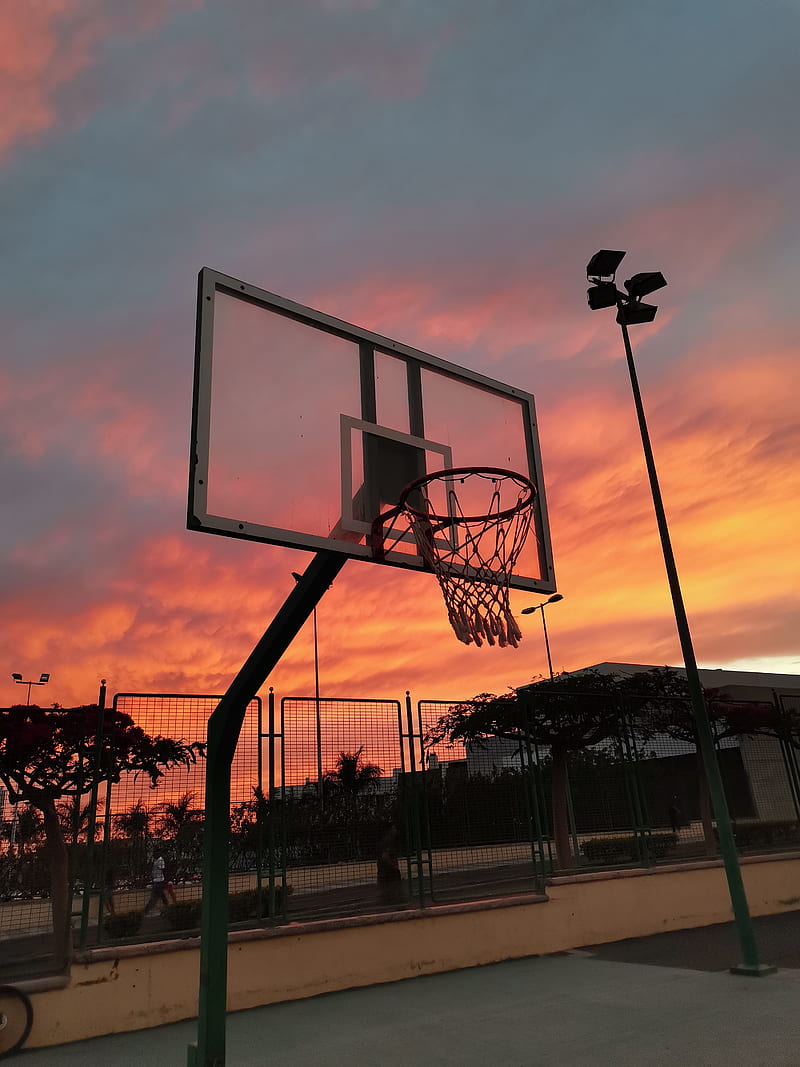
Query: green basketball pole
x=224, y=728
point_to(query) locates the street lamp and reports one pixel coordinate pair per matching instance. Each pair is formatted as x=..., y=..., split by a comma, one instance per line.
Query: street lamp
x=554, y=599
x=601, y=272
x=43, y=680
x=297, y=578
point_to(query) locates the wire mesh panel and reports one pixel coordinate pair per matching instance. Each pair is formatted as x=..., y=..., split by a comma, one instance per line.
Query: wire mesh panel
x=150, y=832
x=482, y=813
x=340, y=787
x=24, y=873
x=663, y=737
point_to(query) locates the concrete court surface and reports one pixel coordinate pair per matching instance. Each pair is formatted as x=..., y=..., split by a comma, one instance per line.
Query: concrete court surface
x=575, y=1008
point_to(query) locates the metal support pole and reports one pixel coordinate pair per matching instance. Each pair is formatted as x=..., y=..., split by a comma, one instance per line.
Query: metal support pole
x=91, y=829
x=224, y=728
x=317, y=710
x=546, y=644
x=750, y=964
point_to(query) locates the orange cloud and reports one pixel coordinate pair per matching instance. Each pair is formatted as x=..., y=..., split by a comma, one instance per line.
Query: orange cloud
x=45, y=45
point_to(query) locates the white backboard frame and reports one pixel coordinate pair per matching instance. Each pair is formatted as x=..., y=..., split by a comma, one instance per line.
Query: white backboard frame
x=211, y=283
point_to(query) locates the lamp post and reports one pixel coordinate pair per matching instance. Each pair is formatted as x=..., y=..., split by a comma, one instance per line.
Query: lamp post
x=573, y=828
x=318, y=721
x=43, y=680
x=603, y=293
x=554, y=599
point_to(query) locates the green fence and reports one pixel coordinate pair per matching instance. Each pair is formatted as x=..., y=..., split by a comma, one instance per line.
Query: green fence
x=348, y=807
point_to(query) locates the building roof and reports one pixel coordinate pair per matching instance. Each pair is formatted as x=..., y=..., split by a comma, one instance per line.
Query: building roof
x=712, y=678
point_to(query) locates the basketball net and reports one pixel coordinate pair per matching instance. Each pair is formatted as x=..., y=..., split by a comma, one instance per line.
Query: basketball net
x=472, y=556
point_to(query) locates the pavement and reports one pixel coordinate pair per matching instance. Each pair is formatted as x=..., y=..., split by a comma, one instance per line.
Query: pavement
x=662, y=1000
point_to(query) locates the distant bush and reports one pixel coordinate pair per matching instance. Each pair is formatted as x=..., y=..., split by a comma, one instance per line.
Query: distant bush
x=123, y=924
x=185, y=914
x=623, y=849
x=762, y=833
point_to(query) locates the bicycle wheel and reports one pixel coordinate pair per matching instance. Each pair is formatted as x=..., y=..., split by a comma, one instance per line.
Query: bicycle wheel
x=16, y=1019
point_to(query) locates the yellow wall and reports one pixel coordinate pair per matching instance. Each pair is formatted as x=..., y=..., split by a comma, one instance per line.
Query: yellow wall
x=143, y=986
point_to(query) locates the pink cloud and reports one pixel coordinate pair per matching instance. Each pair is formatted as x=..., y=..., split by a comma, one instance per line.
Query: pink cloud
x=45, y=45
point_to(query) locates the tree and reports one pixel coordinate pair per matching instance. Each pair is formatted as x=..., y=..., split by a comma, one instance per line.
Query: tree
x=134, y=825
x=351, y=775
x=567, y=714
x=49, y=755
x=182, y=825
x=135, y=822
x=24, y=829
x=666, y=709
x=351, y=779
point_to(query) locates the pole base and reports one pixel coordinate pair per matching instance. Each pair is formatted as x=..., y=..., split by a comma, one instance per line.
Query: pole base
x=760, y=970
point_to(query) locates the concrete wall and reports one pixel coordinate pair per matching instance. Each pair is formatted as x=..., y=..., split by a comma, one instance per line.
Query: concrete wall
x=143, y=986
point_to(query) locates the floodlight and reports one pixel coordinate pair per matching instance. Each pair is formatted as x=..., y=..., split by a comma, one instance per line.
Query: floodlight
x=603, y=264
x=635, y=313
x=17, y=677
x=645, y=283
x=44, y=678
x=603, y=295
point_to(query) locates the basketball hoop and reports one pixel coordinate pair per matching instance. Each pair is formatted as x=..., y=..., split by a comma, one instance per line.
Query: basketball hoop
x=472, y=555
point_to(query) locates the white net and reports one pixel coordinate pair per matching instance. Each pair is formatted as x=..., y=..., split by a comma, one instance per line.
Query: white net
x=473, y=555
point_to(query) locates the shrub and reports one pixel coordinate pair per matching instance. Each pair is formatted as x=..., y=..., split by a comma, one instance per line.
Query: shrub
x=123, y=924
x=623, y=849
x=185, y=914
x=753, y=833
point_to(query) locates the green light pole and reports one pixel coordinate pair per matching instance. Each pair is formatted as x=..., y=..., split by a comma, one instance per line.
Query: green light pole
x=601, y=273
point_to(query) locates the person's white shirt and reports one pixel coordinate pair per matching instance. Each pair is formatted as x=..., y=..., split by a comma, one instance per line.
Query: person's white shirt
x=158, y=869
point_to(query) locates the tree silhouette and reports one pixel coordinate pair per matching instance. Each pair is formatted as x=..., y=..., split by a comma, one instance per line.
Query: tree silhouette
x=567, y=714
x=181, y=824
x=48, y=755
x=351, y=775
x=135, y=822
x=729, y=718
x=134, y=825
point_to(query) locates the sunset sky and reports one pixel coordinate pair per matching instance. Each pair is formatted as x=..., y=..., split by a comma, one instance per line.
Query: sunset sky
x=439, y=173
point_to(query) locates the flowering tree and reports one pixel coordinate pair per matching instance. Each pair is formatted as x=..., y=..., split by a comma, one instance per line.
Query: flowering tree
x=565, y=714
x=49, y=755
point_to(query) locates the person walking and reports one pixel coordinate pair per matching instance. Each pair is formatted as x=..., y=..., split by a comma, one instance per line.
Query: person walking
x=158, y=885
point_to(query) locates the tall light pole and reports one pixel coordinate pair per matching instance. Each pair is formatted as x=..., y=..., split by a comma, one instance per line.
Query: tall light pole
x=43, y=680
x=554, y=599
x=601, y=272
x=318, y=720
x=573, y=828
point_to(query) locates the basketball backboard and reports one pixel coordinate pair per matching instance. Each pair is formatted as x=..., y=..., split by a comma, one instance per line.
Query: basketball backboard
x=305, y=427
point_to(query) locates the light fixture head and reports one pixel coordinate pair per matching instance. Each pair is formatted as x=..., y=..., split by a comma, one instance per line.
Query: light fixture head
x=554, y=599
x=645, y=283
x=603, y=265
x=17, y=677
x=635, y=313
x=44, y=678
x=602, y=295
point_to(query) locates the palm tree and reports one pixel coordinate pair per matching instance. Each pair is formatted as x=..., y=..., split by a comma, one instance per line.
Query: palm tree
x=350, y=780
x=134, y=824
x=75, y=818
x=182, y=825
x=351, y=775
